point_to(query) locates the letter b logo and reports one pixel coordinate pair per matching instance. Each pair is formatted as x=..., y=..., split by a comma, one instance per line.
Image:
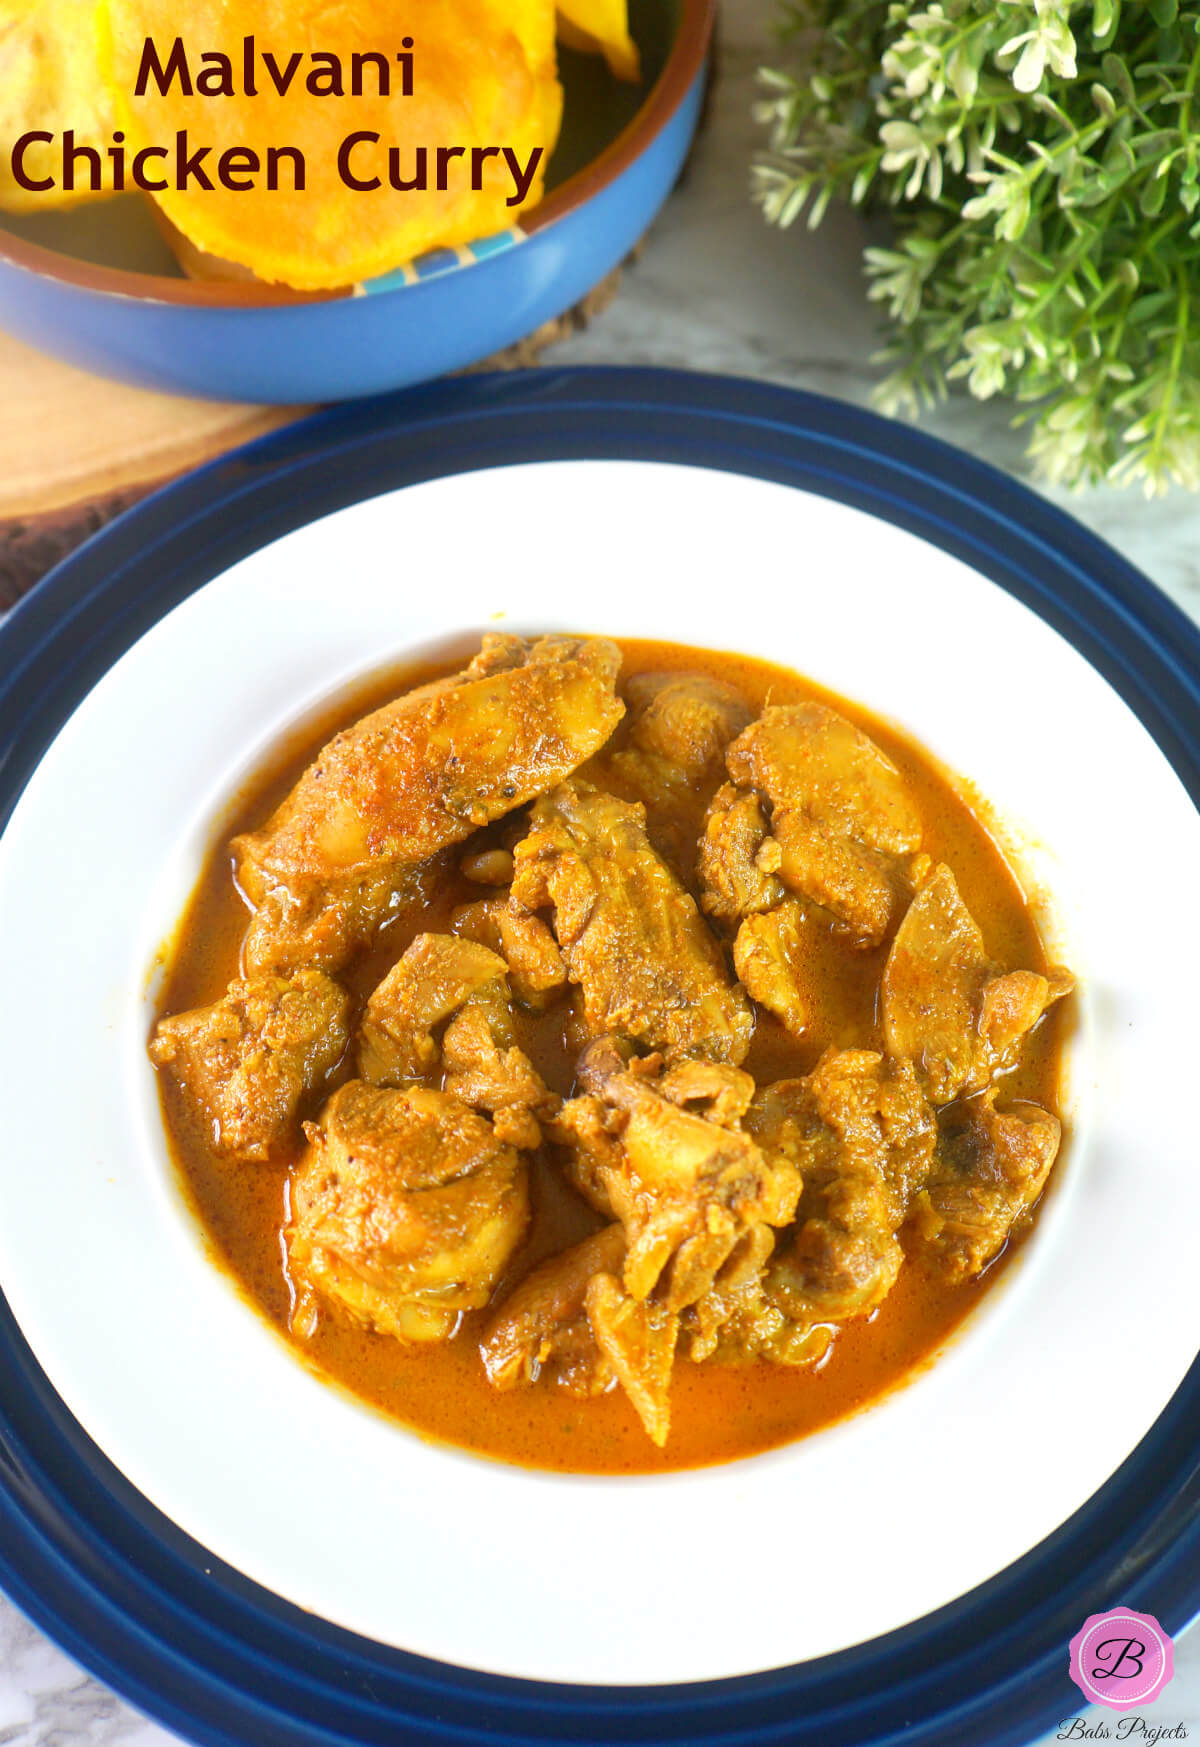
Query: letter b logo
x=1121, y=1659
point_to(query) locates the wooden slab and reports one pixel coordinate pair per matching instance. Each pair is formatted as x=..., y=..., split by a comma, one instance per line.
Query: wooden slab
x=75, y=450
x=67, y=437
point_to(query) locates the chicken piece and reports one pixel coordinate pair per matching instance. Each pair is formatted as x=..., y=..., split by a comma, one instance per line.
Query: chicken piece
x=429, y=982
x=591, y=1152
x=768, y=955
x=990, y=1168
x=631, y=936
x=840, y=812
x=685, y=1187
x=574, y=1317
x=737, y=857
x=947, y=1007
x=248, y=1060
x=638, y=1339
x=570, y=1322
x=542, y=1330
x=861, y=1134
x=723, y=1092
x=536, y=971
x=686, y=718
x=405, y=1211
x=485, y=1074
x=858, y=886
x=679, y=727
x=736, y=1324
x=737, y=1320
x=412, y=778
x=807, y=758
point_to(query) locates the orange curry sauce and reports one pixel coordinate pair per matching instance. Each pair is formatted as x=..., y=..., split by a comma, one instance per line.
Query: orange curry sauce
x=717, y=1412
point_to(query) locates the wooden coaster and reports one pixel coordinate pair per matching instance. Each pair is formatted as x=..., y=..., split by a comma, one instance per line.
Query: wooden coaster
x=77, y=450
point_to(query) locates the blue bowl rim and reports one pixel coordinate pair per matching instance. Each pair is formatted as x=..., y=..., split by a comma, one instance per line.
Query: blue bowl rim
x=221, y=1660
x=683, y=66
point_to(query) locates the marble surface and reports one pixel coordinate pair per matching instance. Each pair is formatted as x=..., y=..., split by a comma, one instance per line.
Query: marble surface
x=714, y=290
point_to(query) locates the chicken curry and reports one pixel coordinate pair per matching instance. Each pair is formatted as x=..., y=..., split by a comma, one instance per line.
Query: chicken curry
x=610, y=1056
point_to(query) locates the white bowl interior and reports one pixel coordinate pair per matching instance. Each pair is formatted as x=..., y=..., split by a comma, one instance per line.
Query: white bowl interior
x=757, y=1564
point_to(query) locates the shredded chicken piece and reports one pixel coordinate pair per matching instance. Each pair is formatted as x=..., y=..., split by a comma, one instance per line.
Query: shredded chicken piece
x=769, y=957
x=406, y=1208
x=631, y=936
x=537, y=973
x=685, y=1187
x=413, y=778
x=949, y=1008
x=737, y=857
x=542, y=1328
x=592, y=1156
x=736, y=1324
x=429, y=982
x=247, y=1061
x=686, y=718
x=724, y=1091
x=807, y=758
x=638, y=1340
x=991, y=1166
x=861, y=1134
x=679, y=726
x=840, y=816
x=857, y=885
x=488, y=1076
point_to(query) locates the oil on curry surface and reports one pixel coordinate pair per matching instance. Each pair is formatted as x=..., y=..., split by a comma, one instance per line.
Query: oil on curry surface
x=632, y=1057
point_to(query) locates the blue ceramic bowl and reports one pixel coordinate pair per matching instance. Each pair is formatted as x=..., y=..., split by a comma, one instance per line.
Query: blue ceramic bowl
x=620, y=154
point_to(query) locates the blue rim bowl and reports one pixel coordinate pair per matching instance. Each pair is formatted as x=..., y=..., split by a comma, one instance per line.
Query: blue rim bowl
x=266, y=343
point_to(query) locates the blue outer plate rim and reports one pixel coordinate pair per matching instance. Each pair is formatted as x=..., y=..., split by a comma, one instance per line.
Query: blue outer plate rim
x=221, y=1660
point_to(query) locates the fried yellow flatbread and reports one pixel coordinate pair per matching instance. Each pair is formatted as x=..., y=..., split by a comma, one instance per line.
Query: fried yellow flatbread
x=49, y=83
x=484, y=75
x=601, y=27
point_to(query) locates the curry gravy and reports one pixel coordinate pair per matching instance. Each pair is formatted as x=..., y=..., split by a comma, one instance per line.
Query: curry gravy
x=717, y=1412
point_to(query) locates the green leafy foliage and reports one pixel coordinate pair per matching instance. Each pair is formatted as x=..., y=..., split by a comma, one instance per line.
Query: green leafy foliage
x=1041, y=164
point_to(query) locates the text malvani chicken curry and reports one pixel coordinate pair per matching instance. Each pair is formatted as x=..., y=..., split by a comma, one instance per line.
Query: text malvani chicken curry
x=633, y=1057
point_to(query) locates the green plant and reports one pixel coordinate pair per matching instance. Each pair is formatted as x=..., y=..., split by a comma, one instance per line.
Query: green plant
x=1041, y=164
